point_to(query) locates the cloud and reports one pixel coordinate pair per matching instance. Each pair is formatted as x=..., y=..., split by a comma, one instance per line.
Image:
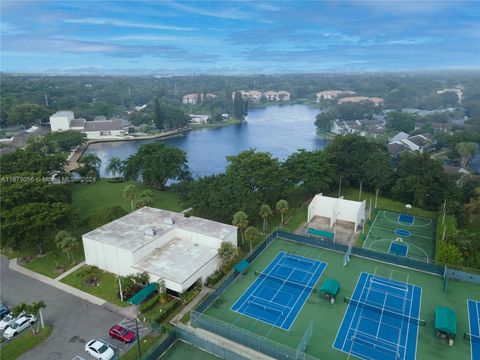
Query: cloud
x=9, y=29
x=164, y=38
x=232, y=14
x=122, y=23
x=61, y=45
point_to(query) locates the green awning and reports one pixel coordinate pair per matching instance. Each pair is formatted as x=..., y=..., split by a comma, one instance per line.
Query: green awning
x=445, y=320
x=242, y=266
x=330, y=287
x=318, y=232
x=143, y=294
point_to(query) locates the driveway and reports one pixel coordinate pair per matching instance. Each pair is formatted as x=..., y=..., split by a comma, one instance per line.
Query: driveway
x=75, y=321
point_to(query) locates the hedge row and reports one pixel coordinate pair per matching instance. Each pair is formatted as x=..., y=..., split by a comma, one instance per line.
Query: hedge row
x=149, y=303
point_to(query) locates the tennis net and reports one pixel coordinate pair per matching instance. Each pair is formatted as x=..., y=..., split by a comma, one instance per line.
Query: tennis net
x=471, y=337
x=285, y=281
x=379, y=309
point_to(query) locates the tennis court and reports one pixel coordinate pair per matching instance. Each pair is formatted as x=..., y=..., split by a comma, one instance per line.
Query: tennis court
x=280, y=291
x=382, y=320
x=402, y=234
x=474, y=325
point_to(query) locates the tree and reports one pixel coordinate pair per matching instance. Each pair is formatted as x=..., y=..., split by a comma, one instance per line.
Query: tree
x=282, y=208
x=400, y=121
x=465, y=150
x=129, y=194
x=238, y=106
x=162, y=289
x=32, y=161
x=65, y=140
x=227, y=252
x=67, y=243
x=27, y=114
x=158, y=116
x=115, y=166
x=473, y=206
x=30, y=225
x=324, y=121
x=310, y=169
x=448, y=253
x=240, y=220
x=36, y=309
x=91, y=162
x=265, y=212
x=146, y=199
x=250, y=235
x=155, y=164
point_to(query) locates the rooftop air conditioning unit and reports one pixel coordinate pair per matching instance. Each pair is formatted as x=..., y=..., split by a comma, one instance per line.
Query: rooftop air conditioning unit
x=151, y=232
x=169, y=221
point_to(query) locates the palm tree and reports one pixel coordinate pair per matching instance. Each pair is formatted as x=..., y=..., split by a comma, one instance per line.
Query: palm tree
x=250, y=235
x=36, y=309
x=129, y=194
x=240, y=220
x=67, y=243
x=115, y=165
x=265, y=212
x=91, y=161
x=282, y=208
x=146, y=199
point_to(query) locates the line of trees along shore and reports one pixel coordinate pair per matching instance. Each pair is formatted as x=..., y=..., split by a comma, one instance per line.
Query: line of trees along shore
x=253, y=182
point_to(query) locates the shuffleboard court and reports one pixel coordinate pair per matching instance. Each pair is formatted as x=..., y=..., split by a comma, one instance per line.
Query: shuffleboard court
x=417, y=233
x=474, y=326
x=382, y=320
x=280, y=291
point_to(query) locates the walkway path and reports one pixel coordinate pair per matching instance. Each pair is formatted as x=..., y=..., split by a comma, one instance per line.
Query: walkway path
x=69, y=271
x=129, y=312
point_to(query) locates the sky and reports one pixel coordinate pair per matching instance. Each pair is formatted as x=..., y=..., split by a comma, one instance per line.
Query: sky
x=183, y=37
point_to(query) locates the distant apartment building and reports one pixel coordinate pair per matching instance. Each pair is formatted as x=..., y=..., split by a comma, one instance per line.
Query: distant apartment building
x=358, y=99
x=331, y=94
x=360, y=127
x=193, y=99
x=255, y=95
x=457, y=90
x=97, y=129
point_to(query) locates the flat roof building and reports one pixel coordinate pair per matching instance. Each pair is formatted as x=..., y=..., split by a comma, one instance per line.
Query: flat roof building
x=163, y=243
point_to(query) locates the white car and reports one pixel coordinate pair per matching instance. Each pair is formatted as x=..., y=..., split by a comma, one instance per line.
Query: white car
x=19, y=325
x=6, y=321
x=99, y=350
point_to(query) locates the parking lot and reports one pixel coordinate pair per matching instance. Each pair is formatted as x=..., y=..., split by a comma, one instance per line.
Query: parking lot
x=74, y=321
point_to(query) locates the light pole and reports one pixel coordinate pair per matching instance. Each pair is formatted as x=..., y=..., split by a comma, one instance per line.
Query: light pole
x=138, y=339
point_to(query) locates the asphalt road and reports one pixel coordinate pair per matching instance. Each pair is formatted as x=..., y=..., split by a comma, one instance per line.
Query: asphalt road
x=75, y=321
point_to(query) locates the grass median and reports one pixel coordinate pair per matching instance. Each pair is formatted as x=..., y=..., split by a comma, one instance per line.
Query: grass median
x=23, y=343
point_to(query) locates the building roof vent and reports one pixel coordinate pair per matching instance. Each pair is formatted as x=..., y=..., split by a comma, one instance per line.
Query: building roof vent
x=169, y=221
x=151, y=232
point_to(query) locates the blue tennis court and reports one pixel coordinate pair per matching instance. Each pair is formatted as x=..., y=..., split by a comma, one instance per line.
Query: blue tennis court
x=278, y=294
x=382, y=320
x=398, y=248
x=474, y=321
x=406, y=219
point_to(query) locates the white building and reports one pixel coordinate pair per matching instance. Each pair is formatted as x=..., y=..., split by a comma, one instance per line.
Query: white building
x=98, y=129
x=337, y=209
x=255, y=95
x=331, y=94
x=165, y=244
x=60, y=121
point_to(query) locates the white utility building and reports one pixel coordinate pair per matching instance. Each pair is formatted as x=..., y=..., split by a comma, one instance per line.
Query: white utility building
x=337, y=209
x=60, y=121
x=165, y=244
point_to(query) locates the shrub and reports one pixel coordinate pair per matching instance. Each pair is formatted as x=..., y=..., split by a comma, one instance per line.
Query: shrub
x=166, y=310
x=215, y=278
x=149, y=303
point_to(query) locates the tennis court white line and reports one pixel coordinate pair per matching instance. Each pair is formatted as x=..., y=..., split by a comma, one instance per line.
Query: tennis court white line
x=370, y=230
x=405, y=241
x=411, y=232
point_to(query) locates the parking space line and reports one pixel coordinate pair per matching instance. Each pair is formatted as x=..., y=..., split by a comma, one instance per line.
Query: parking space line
x=78, y=358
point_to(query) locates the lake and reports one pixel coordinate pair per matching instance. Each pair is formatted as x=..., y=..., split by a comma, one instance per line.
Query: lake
x=279, y=129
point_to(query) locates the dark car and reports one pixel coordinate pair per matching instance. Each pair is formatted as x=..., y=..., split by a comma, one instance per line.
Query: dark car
x=120, y=333
x=3, y=310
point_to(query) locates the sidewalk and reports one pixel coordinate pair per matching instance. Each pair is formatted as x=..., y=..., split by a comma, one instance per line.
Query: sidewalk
x=204, y=292
x=69, y=271
x=129, y=312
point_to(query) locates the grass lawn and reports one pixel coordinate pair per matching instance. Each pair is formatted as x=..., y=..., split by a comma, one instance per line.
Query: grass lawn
x=145, y=343
x=88, y=199
x=107, y=288
x=24, y=343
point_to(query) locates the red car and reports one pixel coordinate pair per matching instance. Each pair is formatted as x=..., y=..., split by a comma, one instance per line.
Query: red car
x=120, y=333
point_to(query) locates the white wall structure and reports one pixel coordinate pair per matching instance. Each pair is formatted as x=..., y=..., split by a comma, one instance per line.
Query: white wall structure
x=163, y=243
x=337, y=209
x=60, y=121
